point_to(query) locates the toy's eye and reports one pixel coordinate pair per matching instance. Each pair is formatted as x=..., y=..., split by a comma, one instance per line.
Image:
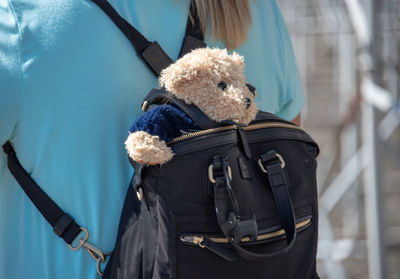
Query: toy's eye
x=222, y=85
x=248, y=103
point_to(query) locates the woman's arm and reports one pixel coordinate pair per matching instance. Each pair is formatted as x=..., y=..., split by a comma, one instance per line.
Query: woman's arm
x=297, y=119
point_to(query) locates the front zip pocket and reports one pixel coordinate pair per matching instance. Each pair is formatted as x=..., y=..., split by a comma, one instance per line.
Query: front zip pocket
x=250, y=127
x=216, y=243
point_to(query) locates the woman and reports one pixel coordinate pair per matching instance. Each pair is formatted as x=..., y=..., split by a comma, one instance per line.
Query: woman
x=70, y=86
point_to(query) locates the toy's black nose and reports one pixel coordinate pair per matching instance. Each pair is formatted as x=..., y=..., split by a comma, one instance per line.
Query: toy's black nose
x=222, y=85
x=251, y=88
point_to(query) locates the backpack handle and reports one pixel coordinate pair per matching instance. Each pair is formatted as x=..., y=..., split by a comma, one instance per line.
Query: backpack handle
x=272, y=164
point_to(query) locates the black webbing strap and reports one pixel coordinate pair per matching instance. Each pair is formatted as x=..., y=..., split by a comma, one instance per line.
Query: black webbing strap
x=157, y=95
x=193, y=27
x=151, y=52
x=234, y=228
x=138, y=41
x=194, y=37
x=274, y=166
x=157, y=60
x=63, y=224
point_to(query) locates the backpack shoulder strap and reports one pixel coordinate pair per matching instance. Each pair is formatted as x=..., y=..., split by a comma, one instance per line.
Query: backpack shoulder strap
x=63, y=224
x=151, y=52
x=157, y=60
x=194, y=37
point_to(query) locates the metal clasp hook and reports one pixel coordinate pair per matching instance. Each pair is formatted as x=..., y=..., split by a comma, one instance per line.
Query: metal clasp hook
x=95, y=252
x=97, y=255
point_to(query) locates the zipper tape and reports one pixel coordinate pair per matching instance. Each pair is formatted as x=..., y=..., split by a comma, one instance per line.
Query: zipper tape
x=198, y=239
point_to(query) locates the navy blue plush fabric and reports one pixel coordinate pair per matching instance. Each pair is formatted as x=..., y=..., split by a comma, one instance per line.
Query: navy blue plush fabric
x=165, y=121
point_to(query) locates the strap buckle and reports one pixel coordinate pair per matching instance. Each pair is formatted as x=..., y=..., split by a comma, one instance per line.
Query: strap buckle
x=271, y=156
x=93, y=251
x=211, y=173
x=81, y=241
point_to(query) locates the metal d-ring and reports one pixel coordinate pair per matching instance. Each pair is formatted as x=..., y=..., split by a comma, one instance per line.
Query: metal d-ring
x=260, y=164
x=211, y=173
x=145, y=105
x=81, y=241
x=139, y=194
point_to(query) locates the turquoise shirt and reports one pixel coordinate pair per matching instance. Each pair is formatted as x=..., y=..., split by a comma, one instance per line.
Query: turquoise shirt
x=70, y=87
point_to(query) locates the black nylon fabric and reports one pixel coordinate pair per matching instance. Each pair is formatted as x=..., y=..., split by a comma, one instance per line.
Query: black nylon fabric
x=194, y=37
x=179, y=200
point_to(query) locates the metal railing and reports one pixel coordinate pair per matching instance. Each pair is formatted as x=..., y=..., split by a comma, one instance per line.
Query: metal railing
x=362, y=39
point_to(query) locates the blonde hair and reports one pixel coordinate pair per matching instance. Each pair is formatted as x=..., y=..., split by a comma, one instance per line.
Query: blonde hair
x=229, y=19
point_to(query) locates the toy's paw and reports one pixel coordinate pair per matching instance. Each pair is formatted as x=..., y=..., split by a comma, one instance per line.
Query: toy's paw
x=147, y=149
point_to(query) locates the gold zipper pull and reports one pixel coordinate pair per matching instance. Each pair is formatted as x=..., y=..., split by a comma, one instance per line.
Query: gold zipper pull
x=204, y=242
x=193, y=239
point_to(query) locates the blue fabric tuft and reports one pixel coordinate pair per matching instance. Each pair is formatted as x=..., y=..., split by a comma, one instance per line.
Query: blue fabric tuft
x=165, y=121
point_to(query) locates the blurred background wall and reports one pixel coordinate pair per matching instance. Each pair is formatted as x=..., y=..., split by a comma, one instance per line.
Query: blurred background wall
x=348, y=56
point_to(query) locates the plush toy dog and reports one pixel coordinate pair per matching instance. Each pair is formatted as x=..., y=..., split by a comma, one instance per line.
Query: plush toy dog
x=211, y=79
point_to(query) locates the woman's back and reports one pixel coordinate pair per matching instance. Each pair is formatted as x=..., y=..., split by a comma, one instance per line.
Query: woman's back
x=71, y=85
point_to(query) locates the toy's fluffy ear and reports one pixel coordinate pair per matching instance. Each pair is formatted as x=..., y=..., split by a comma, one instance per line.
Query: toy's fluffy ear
x=175, y=77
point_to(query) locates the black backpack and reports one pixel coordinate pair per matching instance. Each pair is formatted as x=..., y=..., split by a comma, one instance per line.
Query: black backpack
x=234, y=201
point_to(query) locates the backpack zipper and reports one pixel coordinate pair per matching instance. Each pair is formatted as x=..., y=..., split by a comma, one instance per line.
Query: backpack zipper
x=234, y=127
x=199, y=239
x=202, y=133
x=271, y=125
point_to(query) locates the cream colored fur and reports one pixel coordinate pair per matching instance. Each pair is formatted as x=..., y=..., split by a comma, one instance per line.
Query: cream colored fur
x=147, y=149
x=194, y=78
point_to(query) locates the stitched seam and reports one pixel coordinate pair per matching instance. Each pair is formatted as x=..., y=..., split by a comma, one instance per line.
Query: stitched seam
x=20, y=68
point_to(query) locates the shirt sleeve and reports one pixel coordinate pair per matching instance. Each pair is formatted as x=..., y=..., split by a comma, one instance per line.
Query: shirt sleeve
x=294, y=102
x=10, y=71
